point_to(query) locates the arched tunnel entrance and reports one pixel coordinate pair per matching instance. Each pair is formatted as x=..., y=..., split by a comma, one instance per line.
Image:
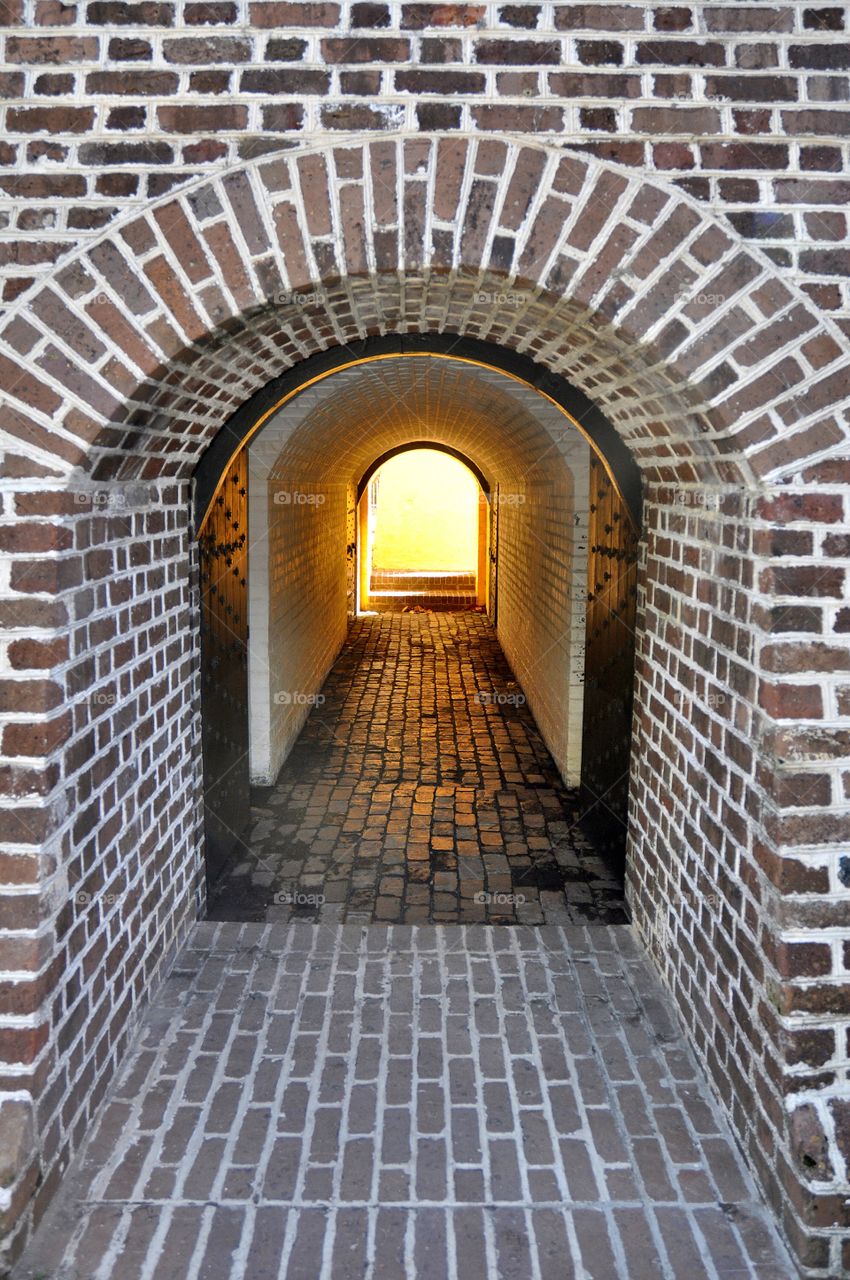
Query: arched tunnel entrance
x=538, y=661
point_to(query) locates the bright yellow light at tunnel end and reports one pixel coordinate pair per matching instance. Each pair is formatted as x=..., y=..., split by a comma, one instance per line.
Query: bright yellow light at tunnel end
x=426, y=515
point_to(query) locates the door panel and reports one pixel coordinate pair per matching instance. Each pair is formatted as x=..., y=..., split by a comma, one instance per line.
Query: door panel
x=223, y=555
x=493, y=586
x=609, y=662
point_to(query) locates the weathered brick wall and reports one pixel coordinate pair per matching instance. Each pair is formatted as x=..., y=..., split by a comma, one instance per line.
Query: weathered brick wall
x=718, y=363
x=102, y=871
x=110, y=103
x=744, y=907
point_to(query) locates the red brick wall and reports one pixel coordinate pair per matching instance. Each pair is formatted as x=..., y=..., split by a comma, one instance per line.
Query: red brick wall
x=679, y=258
x=744, y=106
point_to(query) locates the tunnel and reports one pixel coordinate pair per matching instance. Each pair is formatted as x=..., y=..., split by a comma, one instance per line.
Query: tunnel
x=282, y=511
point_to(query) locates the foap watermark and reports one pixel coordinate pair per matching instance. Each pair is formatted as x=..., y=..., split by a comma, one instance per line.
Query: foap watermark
x=502, y=499
x=484, y=899
x=704, y=498
x=298, y=498
x=294, y=897
x=299, y=298
x=500, y=698
x=97, y=698
x=128, y=497
x=714, y=698
x=293, y=698
x=499, y=298
x=691, y=295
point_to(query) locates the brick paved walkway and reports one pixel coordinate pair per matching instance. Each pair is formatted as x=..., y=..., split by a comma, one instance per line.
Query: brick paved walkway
x=420, y=790
x=376, y=1103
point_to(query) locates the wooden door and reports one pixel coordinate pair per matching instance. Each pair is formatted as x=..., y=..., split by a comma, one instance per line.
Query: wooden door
x=223, y=554
x=609, y=662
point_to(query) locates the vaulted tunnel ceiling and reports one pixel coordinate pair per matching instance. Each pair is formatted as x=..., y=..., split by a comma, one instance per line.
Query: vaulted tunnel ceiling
x=334, y=430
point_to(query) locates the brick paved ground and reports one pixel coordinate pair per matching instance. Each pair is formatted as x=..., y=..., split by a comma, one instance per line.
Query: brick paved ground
x=337, y=1103
x=418, y=787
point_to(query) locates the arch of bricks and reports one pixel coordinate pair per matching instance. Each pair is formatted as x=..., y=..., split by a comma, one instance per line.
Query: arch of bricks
x=727, y=386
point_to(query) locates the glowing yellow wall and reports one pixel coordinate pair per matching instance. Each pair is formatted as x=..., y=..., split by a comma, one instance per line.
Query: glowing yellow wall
x=427, y=513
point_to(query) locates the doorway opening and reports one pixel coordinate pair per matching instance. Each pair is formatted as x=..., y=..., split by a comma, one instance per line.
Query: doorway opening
x=423, y=521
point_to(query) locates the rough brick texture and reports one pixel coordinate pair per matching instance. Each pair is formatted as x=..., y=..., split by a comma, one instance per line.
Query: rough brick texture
x=432, y=1101
x=109, y=104
x=679, y=257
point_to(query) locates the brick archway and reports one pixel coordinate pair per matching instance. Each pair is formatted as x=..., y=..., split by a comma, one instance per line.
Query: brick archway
x=729, y=390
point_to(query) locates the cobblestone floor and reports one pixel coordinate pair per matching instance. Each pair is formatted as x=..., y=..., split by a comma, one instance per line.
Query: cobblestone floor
x=373, y=1103
x=420, y=790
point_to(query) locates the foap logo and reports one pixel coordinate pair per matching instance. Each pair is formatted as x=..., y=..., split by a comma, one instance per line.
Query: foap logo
x=500, y=698
x=298, y=498
x=298, y=898
x=288, y=698
x=501, y=499
x=489, y=298
x=295, y=298
x=689, y=295
x=97, y=698
x=706, y=499
x=499, y=899
x=113, y=498
x=84, y=899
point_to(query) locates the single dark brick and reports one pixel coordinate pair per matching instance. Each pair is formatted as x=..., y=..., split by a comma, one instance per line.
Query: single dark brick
x=366, y=84
x=186, y=119
x=597, y=53
x=126, y=118
x=359, y=49
x=217, y=12
x=283, y=117
x=370, y=15
x=518, y=52
x=52, y=50
x=130, y=49
x=677, y=18
x=194, y=50
x=736, y=88
x=441, y=82
x=820, y=57
x=434, y=52
x=831, y=19
x=284, y=80
x=210, y=82
x=826, y=262
x=825, y=159
x=133, y=83
x=110, y=153
x=416, y=17
x=520, y=15
x=438, y=115
x=49, y=119
x=603, y=118
x=285, y=50
x=116, y=13
x=763, y=224
x=681, y=53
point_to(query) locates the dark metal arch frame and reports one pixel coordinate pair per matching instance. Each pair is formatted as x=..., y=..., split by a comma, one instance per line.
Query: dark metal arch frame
x=423, y=444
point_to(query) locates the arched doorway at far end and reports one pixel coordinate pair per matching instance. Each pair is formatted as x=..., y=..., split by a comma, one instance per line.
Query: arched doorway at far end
x=424, y=518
